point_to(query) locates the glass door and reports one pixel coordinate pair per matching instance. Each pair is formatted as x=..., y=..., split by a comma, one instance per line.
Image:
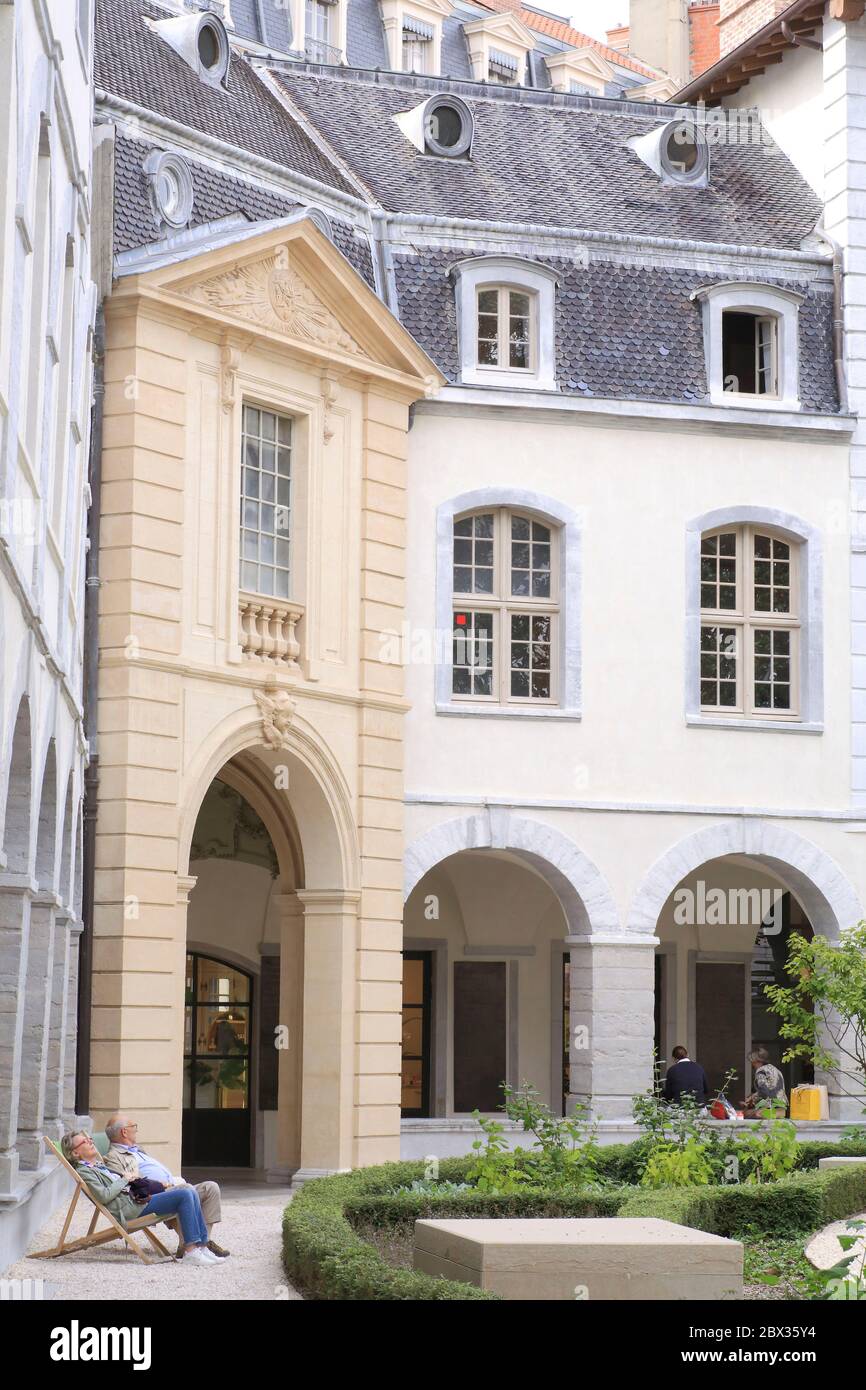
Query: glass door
x=216, y=1072
x=415, y=1086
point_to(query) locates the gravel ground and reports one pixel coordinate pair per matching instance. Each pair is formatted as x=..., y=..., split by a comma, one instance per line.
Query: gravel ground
x=250, y=1229
x=824, y=1249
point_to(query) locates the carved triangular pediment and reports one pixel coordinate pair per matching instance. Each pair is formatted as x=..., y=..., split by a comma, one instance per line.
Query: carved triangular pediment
x=271, y=293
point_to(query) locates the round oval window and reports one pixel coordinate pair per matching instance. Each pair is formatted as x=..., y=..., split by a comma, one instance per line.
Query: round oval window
x=169, y=192
x=446, y=126
x=682, y=149
x=208, y=46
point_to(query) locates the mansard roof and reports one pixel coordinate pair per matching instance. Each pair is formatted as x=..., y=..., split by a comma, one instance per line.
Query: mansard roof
x=563, y=162
x=132, y=62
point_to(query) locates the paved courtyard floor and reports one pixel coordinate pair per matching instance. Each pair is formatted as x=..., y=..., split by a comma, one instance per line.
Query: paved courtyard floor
x=250, y=1229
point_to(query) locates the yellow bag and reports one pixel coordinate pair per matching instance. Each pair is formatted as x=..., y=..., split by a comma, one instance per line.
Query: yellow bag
x=810, y=1103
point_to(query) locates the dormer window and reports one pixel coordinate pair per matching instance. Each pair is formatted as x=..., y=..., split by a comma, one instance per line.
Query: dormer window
x=751, y=344
x=321, y=41
x=582, y=71
x=750, y=353
x=502, y=68
x=170, y=187
x=417, y=44
x=201, y=41
x=506, y=331
x=677, y=152
x=413, y=34
x=498, y=45
x=506, y=310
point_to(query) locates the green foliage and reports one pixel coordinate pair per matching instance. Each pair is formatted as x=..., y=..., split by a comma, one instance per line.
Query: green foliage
x=768, y=1155
x=826, y=998
x=565, y=1155
x=677, y=1165
x=325, y=1257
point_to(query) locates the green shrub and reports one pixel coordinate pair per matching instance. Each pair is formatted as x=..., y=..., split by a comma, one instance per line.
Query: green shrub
x=809, y=1151
x=325, y=1257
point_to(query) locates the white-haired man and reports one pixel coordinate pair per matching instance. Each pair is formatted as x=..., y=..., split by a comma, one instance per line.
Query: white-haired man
x=127, y=1158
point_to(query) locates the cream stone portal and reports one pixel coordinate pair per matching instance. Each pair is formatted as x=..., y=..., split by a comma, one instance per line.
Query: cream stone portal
x=288, y=700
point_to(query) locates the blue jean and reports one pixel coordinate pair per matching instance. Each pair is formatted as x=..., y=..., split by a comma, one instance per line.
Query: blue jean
x=182, y=1202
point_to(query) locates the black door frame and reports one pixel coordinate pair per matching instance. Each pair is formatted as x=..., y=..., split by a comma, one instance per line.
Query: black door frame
x=201, y=951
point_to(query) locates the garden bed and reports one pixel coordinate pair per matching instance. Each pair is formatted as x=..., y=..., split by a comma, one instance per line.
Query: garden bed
x=349, y=1237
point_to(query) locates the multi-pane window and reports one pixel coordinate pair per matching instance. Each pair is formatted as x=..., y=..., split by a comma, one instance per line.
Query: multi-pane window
x=266, y=500
x=415, y=50
x=318, y=40
x=750, y=354
x=505, y=610
x=505, y=328
x=750, y=625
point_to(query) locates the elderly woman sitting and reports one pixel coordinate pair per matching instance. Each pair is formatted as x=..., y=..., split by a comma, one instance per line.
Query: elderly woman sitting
x=114, y=1194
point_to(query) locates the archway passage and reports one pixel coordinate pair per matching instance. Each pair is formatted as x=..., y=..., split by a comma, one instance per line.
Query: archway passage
x=232, y=983
x=723, y=937
x=484, y=956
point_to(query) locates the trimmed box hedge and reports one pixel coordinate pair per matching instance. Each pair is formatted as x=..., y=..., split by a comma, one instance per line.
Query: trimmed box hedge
x=326, y=1255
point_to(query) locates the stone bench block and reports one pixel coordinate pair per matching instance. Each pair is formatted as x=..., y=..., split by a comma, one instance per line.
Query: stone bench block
x=840, y=1162
x=608, y=1258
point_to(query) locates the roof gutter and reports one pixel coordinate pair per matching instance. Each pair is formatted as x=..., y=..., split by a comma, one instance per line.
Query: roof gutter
x=838, y=316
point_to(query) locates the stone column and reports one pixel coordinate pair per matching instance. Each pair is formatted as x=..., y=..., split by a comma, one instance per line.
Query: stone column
x=70, y=1059
x=290, y=1083
x=52, y=1124
x=37, y=1016
x=612, y=1020
x=16, y=892
x=330, y=933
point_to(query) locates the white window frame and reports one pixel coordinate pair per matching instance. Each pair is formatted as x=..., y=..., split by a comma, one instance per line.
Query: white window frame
x=764, y=302
x=503, y=605
x=565, y=701
x=290, y=567
x=807, y=712
x=526, y=277
x=503, y=316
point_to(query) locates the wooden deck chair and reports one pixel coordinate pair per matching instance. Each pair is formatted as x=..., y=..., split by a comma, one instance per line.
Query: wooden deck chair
x=94, y=1237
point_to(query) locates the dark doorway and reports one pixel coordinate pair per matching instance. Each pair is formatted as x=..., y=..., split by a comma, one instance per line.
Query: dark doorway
x=416, y=1058
x=768, y=968
x=720, y=1015
x=216, y=1072
x=480, y=1035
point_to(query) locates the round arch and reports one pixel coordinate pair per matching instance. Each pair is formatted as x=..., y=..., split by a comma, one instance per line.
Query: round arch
x=580, y=887
x=825, y=893
x=320, y=799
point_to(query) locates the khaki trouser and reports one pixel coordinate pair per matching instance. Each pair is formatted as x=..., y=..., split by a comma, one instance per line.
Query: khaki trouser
x=209, y=1196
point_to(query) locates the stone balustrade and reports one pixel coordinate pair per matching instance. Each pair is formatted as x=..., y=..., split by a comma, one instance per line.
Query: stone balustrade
x=268, y=630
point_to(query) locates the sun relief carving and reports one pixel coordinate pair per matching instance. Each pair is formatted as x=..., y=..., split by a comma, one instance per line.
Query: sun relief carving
x=270, y=292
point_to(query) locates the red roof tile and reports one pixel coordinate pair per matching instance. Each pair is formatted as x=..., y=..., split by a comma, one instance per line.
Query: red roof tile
x=562, y=30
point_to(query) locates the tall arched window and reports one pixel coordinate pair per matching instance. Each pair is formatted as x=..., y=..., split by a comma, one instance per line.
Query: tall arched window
x=505, y=608
x=750, y=623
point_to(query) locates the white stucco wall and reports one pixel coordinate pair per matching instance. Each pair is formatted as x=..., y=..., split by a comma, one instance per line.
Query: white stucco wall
x=790, y=97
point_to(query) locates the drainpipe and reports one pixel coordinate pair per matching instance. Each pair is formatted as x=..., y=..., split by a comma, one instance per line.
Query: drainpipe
x=838, y=316
x=91, y=775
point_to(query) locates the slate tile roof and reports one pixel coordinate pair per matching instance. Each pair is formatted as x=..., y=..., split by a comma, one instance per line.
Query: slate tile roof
x=556, y=165
x=216, y=195
x=620, y=331
x=132, y=62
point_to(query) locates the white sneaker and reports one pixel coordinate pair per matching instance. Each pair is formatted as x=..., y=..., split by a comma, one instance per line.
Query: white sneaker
x=200, y=1256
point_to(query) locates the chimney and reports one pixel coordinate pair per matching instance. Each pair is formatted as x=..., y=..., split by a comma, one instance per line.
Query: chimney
x=660, y=36
x=739, y=19
x=618, y=39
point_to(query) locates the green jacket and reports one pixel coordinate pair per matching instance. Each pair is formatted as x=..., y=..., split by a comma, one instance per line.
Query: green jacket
x=111, y=1192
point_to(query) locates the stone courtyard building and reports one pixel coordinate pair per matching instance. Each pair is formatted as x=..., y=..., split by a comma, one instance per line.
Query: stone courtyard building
x=475, y=579
x=47, y=306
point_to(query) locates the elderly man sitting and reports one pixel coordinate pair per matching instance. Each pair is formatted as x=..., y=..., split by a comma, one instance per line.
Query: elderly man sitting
x=126, y=1158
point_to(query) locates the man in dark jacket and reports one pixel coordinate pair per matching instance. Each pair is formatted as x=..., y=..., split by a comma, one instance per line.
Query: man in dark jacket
x=685, y=1078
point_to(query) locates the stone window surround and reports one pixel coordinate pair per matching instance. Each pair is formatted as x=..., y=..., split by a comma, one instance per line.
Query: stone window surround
x=298, y=16
x=811, y=694
x=540, y=282
x=752, y=297
x=568, y=674
x=430, y=12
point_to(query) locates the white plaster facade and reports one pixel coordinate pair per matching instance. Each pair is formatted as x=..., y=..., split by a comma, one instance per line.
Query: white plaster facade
x=47, y=303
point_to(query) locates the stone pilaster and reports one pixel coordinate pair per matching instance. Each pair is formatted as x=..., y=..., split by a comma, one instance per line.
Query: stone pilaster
x=35, y=1039
x=58, y=1029
x=290, y=1082
x=612, y=1020
x=330, y=944
x=16, y=892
